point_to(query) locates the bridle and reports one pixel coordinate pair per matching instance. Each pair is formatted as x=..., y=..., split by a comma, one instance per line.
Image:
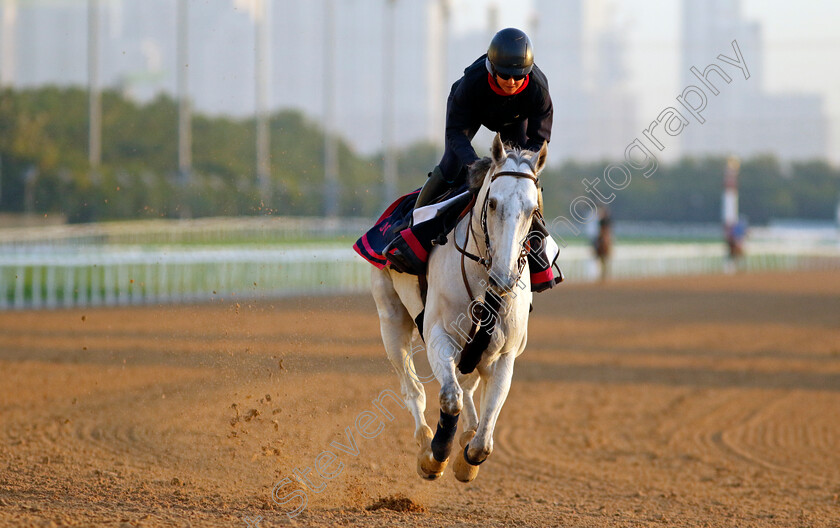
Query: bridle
x=487, y=261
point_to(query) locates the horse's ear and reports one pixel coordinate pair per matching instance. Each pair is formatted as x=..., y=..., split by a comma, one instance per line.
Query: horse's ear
x=541, y=157
x=497, y=151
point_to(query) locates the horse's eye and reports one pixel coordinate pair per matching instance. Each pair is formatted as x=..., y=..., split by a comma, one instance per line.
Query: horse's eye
x=492, y=204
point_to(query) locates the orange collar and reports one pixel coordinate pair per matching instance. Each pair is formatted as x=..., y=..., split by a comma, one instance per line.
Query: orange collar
x=495, y=87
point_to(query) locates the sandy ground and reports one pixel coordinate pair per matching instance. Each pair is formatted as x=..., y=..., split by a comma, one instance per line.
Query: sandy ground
x=705, y=401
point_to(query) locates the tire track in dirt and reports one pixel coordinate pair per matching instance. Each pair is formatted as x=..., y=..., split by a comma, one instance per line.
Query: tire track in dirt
x=748, y=428
x=543, y=441
x=801, y=426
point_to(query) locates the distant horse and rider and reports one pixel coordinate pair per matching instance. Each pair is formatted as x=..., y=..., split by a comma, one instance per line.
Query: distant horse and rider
x=603, y=242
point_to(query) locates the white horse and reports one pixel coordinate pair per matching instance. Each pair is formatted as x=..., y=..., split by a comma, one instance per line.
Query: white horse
x=492, y=236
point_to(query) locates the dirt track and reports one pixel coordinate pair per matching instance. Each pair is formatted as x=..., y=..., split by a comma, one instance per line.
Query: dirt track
x=710, y=401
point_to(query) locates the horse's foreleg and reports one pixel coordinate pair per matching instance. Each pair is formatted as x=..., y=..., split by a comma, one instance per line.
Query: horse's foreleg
x=442, y=350
x=464, y=471
x=469, y=383
x=496, y=390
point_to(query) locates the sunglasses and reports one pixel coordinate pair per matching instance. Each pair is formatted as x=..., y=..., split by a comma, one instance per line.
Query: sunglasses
x=506, y=77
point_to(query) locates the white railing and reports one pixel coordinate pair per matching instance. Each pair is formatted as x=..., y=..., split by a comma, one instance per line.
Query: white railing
x=133, y=275
x=121, y=275
x=652, y=260
x=262, y=229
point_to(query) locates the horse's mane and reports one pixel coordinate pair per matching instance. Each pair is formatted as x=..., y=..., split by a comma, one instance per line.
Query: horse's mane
x=478, y=169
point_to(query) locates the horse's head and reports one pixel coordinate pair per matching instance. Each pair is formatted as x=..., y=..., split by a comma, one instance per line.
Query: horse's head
x=509, y=197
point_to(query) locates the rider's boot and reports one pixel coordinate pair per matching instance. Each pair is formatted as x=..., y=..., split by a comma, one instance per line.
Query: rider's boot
x=541, y=258
x=405, y=256
x=435, y=186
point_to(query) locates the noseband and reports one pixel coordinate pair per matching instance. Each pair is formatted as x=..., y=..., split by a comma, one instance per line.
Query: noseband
x=487, y=261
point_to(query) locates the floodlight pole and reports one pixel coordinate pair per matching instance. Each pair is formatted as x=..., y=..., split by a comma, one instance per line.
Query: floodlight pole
x=331, y=183
x=262, y=72
x=184, y=111
x=8, y=43
x=389, y=162
x=94, y=95
x=446, y=12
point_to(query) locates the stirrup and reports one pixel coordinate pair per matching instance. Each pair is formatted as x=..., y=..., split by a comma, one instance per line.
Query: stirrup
x=402, y=259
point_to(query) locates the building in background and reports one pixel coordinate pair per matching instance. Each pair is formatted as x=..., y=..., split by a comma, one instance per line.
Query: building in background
x=744, y=119
x=50, y=43
x=579, y=44
x=417, y=77
x=137, y=49
x=138, y=43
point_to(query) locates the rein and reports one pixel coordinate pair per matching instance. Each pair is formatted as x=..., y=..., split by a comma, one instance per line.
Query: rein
x=479, y=336
x=487, y=261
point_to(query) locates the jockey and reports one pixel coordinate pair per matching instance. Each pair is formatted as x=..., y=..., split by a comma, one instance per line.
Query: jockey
x=502, y=90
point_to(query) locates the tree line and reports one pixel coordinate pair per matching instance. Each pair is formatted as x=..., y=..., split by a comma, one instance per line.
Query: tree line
x=45, y=169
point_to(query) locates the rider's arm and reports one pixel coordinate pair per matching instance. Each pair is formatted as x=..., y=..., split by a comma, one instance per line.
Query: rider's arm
x=539, y=122
x=460, y=121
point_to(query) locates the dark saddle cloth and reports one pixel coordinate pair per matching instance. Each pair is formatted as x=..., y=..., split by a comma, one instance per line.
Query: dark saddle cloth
x=371, y=245
x=417, y=238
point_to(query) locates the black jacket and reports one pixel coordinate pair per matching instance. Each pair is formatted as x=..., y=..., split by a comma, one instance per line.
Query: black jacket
x=472, y=103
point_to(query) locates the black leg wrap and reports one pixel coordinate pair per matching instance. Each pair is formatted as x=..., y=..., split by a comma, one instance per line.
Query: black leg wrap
x=474, y=349
x=444, y=436
x=468, y=459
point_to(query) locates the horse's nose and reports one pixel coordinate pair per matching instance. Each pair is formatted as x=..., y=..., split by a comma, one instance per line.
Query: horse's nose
x=505, y=283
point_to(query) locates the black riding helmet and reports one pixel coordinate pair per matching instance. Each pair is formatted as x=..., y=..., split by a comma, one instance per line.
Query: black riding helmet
x=510, y=53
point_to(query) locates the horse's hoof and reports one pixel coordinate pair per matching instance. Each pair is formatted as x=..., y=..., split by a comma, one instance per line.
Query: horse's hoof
x=464, y=471
x=428, y=467
x=427, y=476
